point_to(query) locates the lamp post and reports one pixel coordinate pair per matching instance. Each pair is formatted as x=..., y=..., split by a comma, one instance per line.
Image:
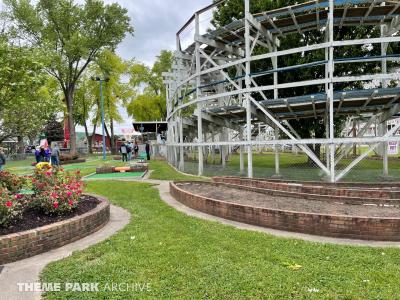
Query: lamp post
x=101, y=80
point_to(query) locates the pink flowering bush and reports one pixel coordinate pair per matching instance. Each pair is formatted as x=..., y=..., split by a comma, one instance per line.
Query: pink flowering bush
x=10, y=207
x=56, y=192
x=11, y=182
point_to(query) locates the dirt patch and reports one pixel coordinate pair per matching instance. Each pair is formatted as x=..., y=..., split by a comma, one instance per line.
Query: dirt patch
x=32, y=219
x=235, y=195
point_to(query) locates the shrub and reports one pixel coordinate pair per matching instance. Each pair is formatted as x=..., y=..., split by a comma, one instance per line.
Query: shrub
x=10, y=207
x=56, y=192
x=11, y=182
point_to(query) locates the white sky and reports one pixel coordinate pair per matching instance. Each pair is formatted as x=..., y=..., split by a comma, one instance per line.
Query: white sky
x=156, y=23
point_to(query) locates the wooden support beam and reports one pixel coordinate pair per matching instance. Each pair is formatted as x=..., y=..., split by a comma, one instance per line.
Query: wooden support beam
x=219, y=45
x=264, y=32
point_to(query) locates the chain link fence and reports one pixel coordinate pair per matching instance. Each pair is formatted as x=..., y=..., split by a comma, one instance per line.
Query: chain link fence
x=362, y=162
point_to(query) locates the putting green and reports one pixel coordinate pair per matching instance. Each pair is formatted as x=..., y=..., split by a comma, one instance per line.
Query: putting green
x=115, y=175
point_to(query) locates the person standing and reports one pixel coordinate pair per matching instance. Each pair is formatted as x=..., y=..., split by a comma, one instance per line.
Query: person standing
x=55, y=156
x=47, y=154
x=124, y=151
x=42, y=154
x=148, y=149
x=2, y=159
x=129, y=148
x=136, y=149
x=37, y=155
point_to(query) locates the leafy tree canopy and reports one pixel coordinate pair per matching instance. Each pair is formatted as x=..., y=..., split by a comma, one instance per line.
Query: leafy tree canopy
x=28, y=96
x=150, y=101
x=71, y=35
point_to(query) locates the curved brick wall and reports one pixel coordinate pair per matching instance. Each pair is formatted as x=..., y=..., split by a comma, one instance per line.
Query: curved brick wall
x=380, y=229
x=387, y=184
x=317, y=191
x=28, y=243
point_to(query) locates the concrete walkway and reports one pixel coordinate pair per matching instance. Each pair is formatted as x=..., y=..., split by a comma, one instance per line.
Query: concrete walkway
x=28, y=270
x=163, y=187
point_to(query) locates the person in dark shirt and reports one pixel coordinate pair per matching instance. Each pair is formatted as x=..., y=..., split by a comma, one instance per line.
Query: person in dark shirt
x=37, y=155
x=148, y=150
x=2, y=159
x=136, y=150
x=42, y=154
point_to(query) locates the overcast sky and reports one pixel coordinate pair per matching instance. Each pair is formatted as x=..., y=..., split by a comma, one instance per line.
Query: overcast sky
x=156, y=23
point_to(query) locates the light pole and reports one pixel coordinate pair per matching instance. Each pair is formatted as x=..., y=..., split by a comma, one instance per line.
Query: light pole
x=100, y=80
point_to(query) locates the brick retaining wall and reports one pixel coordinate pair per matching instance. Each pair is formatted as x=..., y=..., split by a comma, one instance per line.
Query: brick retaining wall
x=310, y=193
x=353, y=227
x=17, y=246
x=337, y=192
x=383, y=184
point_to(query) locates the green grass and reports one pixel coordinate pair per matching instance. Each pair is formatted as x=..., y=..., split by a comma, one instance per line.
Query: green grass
x=292, y=166
x=295, y=167
x=118, y=175
x=23, y=167
x=163, y=171
x=187, y=258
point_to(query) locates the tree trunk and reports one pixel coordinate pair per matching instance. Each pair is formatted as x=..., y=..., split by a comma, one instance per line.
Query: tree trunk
x=108, y=134
x=88, y=139
x=20, y=145
x=112, y=137
x=71, y=124
x=112, y=141
x=32, y=139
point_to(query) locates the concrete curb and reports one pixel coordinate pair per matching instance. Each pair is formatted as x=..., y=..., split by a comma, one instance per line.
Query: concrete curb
x=28, y=270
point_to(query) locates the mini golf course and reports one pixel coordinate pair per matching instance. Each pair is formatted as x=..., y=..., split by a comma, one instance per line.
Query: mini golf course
x=119, y=175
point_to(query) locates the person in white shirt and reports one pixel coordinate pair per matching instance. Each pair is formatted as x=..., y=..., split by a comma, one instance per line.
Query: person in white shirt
x=124, y=151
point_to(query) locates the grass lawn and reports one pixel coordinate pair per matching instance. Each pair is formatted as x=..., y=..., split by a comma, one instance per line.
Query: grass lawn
x=188, y=258
x=292, y=166
x=163, y=171
x=295, y=167
x=23, y=167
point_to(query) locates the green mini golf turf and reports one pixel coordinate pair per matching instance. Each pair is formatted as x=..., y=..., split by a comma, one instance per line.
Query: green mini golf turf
x=115, y=175
x=26, y=192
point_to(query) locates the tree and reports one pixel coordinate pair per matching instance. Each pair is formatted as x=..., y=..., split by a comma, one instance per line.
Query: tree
x=151, y=103
x=26, y=92
x=54, y=130
x=115, y=94
x=85, y=104
x=71, y=35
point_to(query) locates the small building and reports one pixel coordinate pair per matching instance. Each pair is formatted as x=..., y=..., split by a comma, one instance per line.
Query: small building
x=151, y=129
x=97, y=142
x=156, y=133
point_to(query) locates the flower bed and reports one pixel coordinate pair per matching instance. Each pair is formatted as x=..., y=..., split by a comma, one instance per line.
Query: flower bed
x=55, y=193
x=56, y=199
x=17, y=246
